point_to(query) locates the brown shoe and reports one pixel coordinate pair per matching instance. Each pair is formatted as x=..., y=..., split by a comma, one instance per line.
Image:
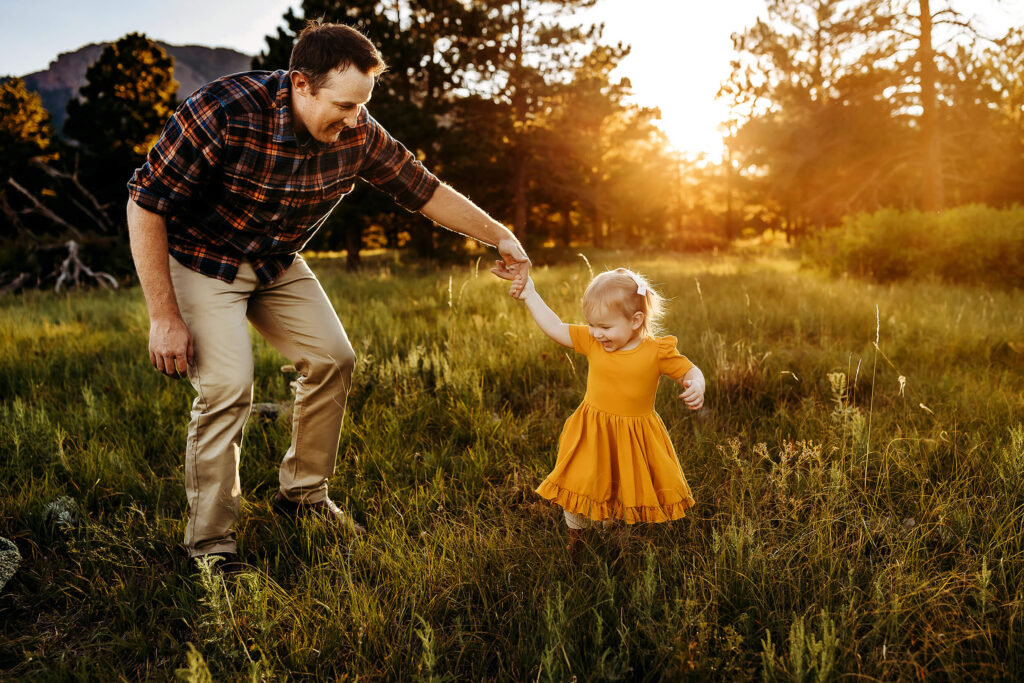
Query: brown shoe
x=324, y=509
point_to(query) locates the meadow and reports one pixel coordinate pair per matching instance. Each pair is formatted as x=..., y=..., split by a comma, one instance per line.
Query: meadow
x=858, y=470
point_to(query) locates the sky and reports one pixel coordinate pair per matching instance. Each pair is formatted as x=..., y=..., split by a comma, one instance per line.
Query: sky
x=681, y=49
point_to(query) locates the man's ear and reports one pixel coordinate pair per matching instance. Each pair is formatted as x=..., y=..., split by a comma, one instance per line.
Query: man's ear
x=300, y=83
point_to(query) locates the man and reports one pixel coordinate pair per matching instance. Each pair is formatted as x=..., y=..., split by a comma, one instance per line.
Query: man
x=245, y=172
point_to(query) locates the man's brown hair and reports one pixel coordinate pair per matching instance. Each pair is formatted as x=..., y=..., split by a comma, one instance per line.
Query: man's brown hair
x=323, y=47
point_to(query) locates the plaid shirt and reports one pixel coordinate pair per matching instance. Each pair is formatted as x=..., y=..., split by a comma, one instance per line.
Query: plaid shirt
x=233, y=182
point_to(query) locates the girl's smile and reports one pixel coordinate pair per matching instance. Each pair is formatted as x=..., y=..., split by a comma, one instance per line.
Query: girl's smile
x=614, y=331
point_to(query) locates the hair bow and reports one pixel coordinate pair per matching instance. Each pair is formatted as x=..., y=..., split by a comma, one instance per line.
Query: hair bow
x=641, y=288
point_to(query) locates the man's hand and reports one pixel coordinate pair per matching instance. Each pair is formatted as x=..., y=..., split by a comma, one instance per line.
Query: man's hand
x=170, y=346
x=693, y=395
x=515, y=265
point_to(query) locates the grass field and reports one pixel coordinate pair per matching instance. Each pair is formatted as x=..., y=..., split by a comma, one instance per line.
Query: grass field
x=860, y=507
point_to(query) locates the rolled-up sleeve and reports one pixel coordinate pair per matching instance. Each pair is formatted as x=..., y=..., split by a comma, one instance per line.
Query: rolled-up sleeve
x=183, y=158
x=390, y=167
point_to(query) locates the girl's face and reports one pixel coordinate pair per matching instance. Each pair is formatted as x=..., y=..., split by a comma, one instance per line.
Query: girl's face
x=614, y=330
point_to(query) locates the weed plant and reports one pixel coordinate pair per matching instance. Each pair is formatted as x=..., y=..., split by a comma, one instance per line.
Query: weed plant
x=857, y=468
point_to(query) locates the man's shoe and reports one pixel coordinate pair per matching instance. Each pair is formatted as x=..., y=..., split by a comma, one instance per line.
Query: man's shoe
x=223, y=563
x=324, y=509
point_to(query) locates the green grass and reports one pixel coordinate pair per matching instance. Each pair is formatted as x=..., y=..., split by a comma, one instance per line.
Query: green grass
x=845, y=527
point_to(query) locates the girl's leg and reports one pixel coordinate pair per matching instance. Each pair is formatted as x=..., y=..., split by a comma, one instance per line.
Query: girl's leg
x=574, y=521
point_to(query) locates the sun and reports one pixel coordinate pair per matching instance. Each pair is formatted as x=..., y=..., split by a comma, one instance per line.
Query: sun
x=694, y=131
x=681, y=52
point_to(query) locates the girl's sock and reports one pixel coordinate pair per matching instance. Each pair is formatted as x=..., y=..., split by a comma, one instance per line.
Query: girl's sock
x=575, y=521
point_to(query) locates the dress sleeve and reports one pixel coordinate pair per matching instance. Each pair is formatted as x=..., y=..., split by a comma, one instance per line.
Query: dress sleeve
x=582, y=342
x=185, y=157
x=670, y=361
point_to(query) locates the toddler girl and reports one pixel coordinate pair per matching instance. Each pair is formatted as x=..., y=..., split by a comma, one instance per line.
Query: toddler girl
x=615, y=457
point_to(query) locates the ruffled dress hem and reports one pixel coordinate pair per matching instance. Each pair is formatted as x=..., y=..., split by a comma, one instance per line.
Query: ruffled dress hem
x=600, y=511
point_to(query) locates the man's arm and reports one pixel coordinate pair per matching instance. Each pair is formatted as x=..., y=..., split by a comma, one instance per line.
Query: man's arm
x=170, y=343
x=454, y=211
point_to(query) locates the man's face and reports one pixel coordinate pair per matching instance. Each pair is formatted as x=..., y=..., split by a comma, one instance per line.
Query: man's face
x=334, y=107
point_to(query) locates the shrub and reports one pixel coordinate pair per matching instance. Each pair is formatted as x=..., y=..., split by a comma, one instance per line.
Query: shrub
x=967, y=245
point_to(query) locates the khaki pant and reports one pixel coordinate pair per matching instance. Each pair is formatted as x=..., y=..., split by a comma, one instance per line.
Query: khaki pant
x=295, y=316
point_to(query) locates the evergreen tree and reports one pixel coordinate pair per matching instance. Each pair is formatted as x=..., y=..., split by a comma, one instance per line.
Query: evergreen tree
x=24, y=127
x=528, y=50
x=25, y=135
x=818, y=133
x=424, y=45
x=128, y=96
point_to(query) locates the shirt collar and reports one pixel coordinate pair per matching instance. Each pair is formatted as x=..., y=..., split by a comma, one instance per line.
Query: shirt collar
x=283, y=130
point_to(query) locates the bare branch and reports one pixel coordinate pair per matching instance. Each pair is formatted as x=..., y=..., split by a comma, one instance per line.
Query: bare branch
x=13, y=217
x=43, y=210
x=16, y=284
x=100, y=216
x=72, y=267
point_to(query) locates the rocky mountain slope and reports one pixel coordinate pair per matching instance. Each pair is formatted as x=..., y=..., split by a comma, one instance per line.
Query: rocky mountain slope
x=194, y=66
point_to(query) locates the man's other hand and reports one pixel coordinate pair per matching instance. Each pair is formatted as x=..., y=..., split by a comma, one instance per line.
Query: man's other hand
x=170, y=346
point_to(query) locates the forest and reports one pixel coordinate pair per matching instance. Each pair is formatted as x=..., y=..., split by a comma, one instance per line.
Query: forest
x=839, y=109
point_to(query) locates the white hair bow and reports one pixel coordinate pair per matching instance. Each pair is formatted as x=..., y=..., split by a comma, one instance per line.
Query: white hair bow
x=641, y=288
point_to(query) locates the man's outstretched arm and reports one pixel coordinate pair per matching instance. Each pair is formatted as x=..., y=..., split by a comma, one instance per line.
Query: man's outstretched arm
x=454, y=211
x=170, y=343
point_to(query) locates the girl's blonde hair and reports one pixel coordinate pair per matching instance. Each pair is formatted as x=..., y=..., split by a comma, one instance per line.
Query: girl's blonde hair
x=620, y=290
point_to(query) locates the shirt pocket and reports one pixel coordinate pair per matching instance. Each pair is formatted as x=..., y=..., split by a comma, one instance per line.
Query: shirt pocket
x=333, y=189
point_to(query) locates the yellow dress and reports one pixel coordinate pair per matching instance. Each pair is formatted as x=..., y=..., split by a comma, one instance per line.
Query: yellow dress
x=615, y=457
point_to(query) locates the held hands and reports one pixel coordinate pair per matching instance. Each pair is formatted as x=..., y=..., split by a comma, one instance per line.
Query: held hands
x=693, y=393
x=515, y=266
x=524, y=293
x=170, y=346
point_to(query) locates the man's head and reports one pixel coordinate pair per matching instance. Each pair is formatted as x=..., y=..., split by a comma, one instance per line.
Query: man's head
x=333, y=68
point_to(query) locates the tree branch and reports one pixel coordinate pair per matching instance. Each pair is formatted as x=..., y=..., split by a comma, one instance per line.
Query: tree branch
x=73, y=266
x=100, y=217
x=43, y=210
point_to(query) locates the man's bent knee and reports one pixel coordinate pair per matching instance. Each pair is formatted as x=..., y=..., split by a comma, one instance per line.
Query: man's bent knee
x=225, y=392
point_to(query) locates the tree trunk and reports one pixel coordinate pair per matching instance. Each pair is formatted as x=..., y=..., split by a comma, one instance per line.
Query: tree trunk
x=933, y=195
x=520, y=201
x=353, y=243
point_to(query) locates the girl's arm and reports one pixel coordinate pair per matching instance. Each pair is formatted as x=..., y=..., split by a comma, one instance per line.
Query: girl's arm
x=546, y=319
x=693, y=388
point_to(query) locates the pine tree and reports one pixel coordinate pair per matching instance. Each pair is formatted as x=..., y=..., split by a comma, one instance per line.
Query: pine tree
x=128, y=96
x=24, y=127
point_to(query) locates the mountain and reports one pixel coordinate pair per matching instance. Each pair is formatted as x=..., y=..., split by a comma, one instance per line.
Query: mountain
x=194, y=66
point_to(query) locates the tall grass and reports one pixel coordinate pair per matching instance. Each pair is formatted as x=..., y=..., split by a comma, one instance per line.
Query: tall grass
x=814, y=552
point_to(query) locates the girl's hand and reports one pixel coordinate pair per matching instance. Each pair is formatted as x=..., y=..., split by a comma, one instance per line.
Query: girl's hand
x=517, y=273
x=526, y=291
x=693, y=394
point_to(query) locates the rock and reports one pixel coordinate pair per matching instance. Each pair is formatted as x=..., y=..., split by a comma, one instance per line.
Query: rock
x=268, y=411
x=10, y=560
